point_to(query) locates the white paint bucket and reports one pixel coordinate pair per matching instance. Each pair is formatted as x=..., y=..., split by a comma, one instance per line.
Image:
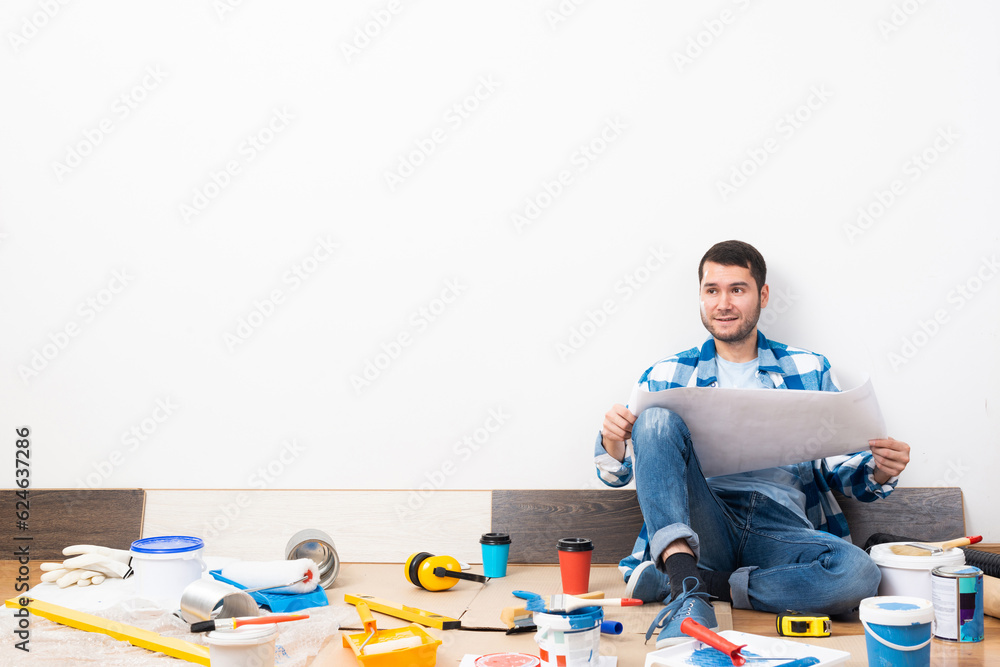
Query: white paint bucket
x=164, y=566
x=569, y=640
x=249, y=646
x=910, y=575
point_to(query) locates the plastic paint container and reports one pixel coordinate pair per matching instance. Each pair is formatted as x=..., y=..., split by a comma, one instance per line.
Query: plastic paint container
x=507, y=660
x=569, y=640
x=958, y=603
x=910, y=575
x=897, y=631
x=496, y=549
x=318, y=547
x=251, y=646
x=164, y=566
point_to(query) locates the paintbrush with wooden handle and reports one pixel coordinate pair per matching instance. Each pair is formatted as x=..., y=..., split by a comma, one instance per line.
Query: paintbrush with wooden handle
x=561, y=603
x=931, y=548
x=233, y=623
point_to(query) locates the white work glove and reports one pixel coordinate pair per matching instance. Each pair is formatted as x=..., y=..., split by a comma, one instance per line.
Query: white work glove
x=89, y=565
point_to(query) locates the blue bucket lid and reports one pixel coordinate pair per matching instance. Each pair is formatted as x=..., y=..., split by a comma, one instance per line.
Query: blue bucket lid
x=585, y=617
x=896, y=610
x=579, y=619
x=167, y=544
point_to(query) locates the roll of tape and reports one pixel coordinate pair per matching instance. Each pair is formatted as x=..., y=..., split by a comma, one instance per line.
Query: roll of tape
x=317, y=546
x=201, y=597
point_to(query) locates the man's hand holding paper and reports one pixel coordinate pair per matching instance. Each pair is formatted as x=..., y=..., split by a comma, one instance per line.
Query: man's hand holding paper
x=891, y=457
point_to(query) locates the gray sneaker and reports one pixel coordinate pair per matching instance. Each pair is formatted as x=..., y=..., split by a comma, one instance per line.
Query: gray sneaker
x=691, y=603
x=647, y=583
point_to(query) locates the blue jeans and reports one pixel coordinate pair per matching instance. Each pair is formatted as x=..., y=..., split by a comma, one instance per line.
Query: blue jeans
x=779, y=562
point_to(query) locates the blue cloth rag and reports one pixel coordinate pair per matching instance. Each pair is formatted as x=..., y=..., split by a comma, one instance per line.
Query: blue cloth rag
x=280, y=603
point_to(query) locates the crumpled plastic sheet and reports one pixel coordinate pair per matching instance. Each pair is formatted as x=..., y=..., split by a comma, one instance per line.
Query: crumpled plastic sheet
x=56, y=645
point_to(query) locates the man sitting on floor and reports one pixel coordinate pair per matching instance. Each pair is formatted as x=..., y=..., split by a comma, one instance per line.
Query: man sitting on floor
x=769, y=540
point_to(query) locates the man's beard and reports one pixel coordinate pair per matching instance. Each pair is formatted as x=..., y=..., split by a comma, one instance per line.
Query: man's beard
x=736, y=336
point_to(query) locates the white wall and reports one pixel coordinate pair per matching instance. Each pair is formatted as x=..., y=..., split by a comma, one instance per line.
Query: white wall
x=125, y=201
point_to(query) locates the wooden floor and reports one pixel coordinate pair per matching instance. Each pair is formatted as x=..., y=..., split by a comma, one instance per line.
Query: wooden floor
x=943, y=654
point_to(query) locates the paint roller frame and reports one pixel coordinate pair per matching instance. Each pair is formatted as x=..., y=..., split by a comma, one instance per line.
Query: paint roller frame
x=423, y=654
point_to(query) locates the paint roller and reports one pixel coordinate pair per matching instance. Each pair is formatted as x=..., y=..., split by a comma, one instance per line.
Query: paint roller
x=274, y=576
x=383, y=646
x=387, y=641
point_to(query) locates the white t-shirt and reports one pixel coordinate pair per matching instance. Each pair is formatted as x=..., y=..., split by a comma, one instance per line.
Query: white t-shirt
x=780, y=484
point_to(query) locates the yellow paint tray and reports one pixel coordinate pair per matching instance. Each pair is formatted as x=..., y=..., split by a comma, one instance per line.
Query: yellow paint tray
x=424, y=655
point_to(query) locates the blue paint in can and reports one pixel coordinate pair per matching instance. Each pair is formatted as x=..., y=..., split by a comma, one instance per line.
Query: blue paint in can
x=897, y=606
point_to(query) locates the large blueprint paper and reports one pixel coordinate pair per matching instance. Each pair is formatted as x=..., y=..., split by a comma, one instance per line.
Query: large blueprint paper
x=736, y=430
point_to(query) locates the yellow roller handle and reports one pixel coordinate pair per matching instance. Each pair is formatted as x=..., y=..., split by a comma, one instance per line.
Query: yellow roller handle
x=365, y=613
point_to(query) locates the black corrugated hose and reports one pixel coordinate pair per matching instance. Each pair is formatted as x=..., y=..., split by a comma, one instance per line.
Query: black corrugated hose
x=882, y=538
x=986, y=561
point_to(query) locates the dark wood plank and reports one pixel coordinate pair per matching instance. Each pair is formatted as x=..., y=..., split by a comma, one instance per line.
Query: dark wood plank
x=537, y=519
x=931, y=514
x=59, y=518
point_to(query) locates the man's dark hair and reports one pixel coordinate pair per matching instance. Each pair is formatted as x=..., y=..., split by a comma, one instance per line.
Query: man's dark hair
x=736, y=253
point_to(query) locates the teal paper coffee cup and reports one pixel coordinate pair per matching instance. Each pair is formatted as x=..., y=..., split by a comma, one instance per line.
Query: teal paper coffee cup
x=496, y=548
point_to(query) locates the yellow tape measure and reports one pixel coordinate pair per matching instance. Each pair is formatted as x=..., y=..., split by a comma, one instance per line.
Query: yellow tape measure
x=794, y=624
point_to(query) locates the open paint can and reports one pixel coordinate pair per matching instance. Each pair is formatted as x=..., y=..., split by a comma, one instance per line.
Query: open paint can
x=910, y=575
x=318, y=547
x=958, y=603
x=250, y=646
x=507, y=660
x=569, y=640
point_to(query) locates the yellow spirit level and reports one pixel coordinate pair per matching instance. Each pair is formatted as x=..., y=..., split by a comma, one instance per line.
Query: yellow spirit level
x=794, y=624
x=411, y=614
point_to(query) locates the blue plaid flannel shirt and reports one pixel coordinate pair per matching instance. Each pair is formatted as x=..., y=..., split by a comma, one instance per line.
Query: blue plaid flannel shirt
x=779, y=367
